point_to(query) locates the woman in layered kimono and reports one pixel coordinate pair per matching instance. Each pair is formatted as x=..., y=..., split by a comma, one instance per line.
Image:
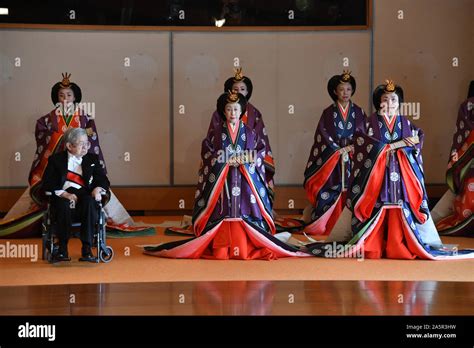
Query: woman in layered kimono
x=328, y=170
x=50, y=129
x=24, y=218
x=252, y=118
x=390, y=207
x=232, y=217
x=454, y=212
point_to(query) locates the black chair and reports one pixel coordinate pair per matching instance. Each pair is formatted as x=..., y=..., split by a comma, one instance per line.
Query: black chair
x=104, y=252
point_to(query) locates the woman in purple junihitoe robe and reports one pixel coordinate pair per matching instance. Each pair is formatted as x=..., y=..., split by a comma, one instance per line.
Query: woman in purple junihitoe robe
x=232, y=217
x=252, y=118
x=388, y=198
x=328, y=170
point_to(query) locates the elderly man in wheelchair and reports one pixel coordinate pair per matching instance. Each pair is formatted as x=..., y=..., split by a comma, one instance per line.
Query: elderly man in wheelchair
x=76, y=185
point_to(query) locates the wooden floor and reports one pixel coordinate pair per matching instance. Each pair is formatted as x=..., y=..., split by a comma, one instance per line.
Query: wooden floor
x=242, y=298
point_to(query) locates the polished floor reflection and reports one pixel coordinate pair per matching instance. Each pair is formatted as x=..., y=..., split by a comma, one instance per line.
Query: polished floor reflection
x=242, y=298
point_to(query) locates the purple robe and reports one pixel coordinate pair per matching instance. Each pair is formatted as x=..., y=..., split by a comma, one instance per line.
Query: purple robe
x=253, y=119
x=388, y=198
x=324, y=179
x=232, y=203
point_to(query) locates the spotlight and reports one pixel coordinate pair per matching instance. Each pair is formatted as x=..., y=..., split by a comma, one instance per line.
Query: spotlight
x=219, y=22
x=3, y=11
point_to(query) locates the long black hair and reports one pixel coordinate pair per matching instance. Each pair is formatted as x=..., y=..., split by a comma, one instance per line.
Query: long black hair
x=229, y=83
x=338, y=79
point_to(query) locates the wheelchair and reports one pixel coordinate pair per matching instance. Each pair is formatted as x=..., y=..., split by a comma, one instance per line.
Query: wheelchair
x=50, y=245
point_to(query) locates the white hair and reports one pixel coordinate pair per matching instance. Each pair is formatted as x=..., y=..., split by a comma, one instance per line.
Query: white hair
x=72, y=135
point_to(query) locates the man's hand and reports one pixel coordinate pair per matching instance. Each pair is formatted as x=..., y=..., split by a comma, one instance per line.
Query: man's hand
x=96, y=193
x=69, y=196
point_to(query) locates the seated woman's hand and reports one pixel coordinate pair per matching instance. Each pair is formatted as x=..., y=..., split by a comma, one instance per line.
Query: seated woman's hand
x=233, y=161
x=346, y=149
x=243, y=158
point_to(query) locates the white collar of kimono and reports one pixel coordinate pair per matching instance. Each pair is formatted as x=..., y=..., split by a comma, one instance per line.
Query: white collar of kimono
x=233, y=126
x=389, y=119
x=344, y=109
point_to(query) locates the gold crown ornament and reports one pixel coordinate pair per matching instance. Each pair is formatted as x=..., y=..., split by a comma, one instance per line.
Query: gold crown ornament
x=239, y=76
x=389, y=86
x=232, y=97
x=65, y=83
x=346, y=76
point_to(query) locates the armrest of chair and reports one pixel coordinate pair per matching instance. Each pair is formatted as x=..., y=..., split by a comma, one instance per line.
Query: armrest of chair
x=105, y=197
x=47, y=197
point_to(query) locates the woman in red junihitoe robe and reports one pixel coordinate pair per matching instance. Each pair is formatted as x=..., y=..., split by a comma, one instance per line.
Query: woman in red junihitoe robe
x=232, y=217
x=454, y=213
x=391, y=218
x=327, y=174
x=24, y=218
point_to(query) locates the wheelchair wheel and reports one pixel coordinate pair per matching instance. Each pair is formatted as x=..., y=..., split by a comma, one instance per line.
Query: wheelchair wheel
x=47, y=255
x=106, y=255
x=45, y=248
x=52, y=250
x=49, y=248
